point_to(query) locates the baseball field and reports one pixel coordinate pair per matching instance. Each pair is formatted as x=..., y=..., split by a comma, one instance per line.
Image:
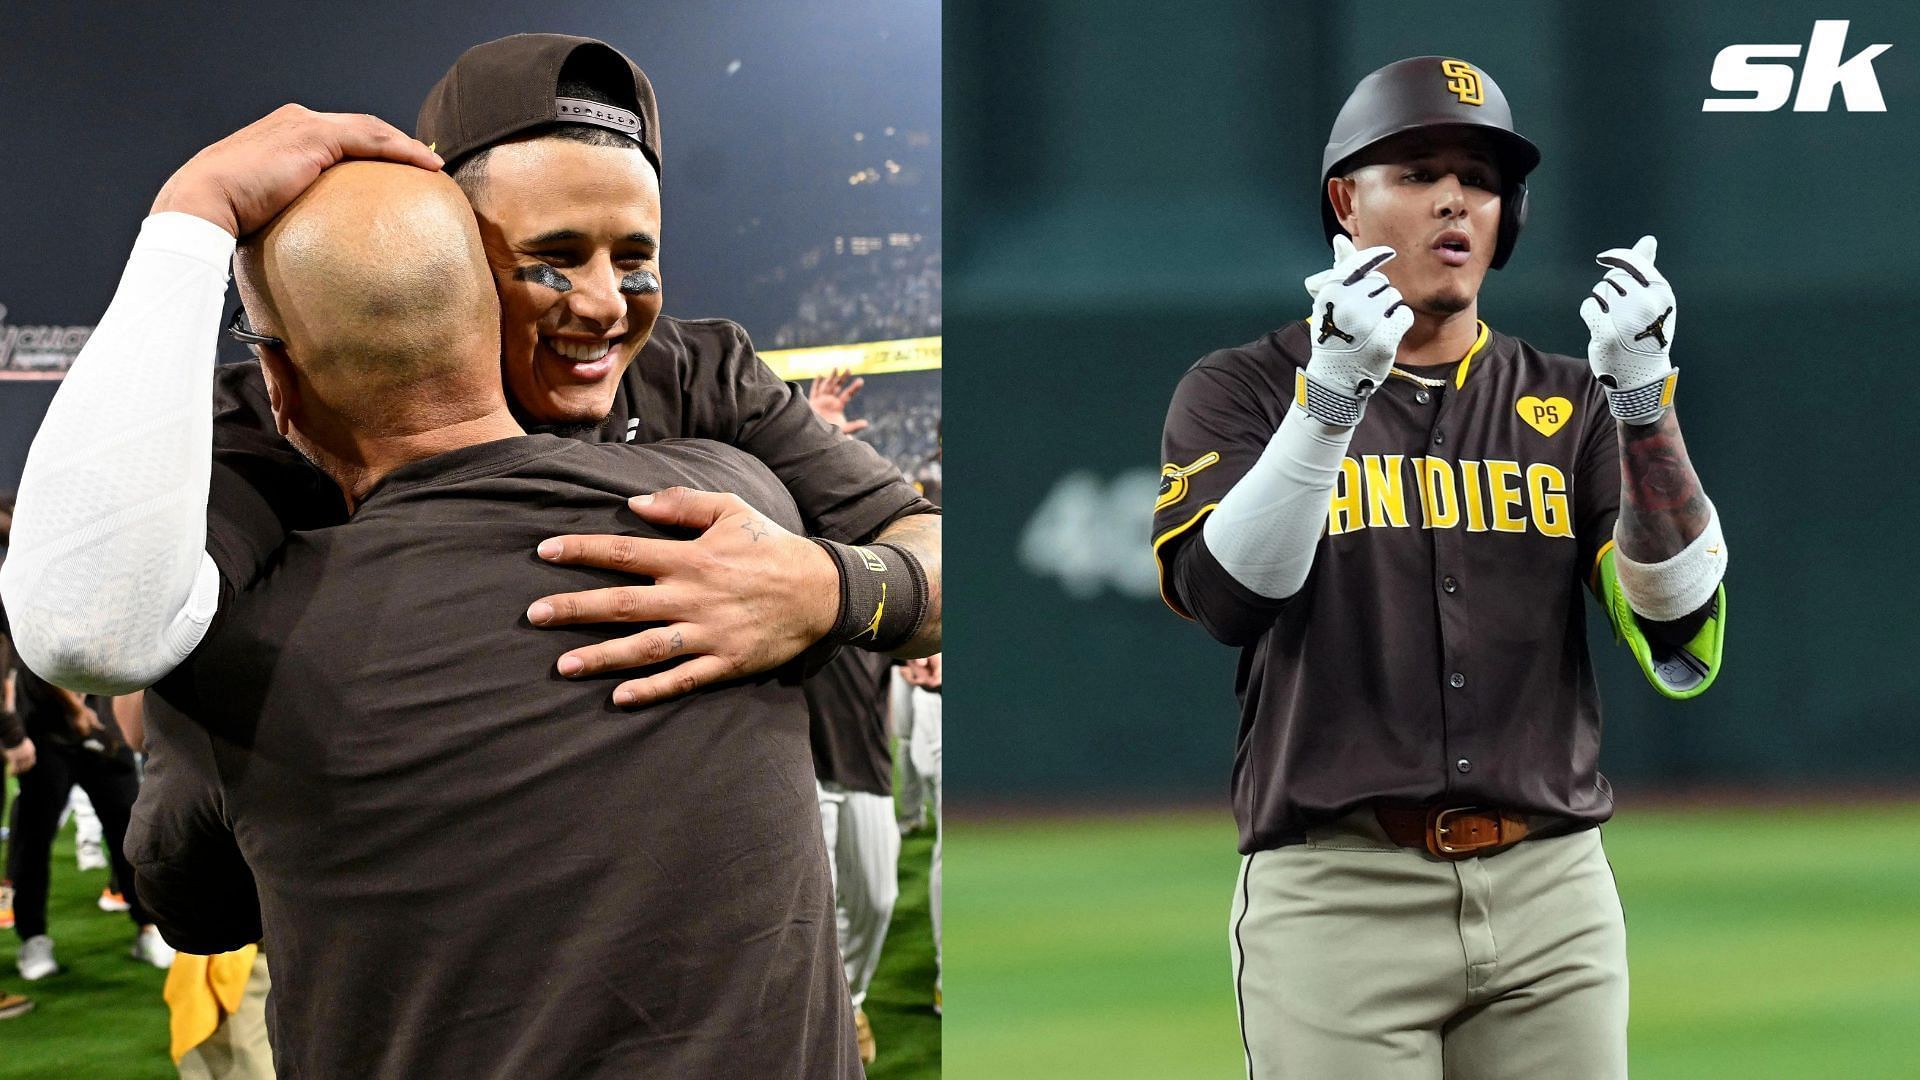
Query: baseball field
x=101, y=1017
x=1763, y=942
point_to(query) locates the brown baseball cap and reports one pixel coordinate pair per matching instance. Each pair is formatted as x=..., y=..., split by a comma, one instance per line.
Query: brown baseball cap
x=510, y=86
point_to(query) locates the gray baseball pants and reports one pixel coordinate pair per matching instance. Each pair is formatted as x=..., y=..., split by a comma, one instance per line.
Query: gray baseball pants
x=1356, y=958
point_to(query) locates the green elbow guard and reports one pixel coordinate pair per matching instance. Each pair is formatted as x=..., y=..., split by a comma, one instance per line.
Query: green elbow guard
x=1679, y=673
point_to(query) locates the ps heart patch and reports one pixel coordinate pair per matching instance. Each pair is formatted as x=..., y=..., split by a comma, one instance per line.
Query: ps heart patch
x=1545, y=416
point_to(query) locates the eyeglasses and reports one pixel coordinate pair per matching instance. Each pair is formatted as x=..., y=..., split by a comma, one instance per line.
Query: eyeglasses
x=242, y=331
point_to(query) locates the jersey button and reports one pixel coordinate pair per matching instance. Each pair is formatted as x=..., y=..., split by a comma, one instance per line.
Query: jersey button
x=1439, y=437
x=1449, y=584
x=1463, y=765
x=1456, y=680
x=1422, y=396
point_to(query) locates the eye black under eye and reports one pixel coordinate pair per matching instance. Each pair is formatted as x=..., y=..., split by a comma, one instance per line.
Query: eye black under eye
x=542, y=274
x=639, y=283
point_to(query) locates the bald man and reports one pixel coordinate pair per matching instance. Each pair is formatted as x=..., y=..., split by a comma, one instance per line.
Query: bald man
x=466, y=866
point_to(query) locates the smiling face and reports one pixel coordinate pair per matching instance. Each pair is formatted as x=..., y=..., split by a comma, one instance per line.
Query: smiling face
x=572, y=234
x=1434, y=197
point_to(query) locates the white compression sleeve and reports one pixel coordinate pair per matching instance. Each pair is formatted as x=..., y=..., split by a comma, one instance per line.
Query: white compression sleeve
x=1266, y=528
x=1677, y=587
x=107, y=581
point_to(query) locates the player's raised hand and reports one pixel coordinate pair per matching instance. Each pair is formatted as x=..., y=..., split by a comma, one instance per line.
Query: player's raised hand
x=1631, y=317
x=830, y=394
x=742, y=597
x=241, y=182
x=1358, y=321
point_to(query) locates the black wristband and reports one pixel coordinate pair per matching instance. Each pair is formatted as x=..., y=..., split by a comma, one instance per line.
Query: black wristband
x=883, y=595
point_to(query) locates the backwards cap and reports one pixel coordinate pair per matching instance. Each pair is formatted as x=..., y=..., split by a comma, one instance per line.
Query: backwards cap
x=510, y=86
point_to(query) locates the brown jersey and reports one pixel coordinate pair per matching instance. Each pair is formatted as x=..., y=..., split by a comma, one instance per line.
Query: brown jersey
x=1437, y=650
x=463, y=864
x=847, y=713
x=694, y=379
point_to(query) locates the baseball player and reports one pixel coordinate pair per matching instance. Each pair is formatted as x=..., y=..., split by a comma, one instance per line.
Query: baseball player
x=920, y=742
x=539, y=886
x=853, y=778
x=915, y=703
x=1393, y=509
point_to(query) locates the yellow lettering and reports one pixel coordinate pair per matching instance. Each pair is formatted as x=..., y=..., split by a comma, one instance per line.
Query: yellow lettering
x=1440, y=501
x=1420, y=492
x=1344, y=513
x=1386, y=495
x=1470, y=485
x=1503, y=482
x=1547, y=489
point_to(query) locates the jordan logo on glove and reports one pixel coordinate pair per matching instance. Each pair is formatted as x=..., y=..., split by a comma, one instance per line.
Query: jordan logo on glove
x=1328, y=329
x=1657, y=329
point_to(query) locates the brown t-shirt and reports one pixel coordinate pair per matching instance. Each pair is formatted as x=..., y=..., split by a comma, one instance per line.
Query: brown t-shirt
x=694, y=379
x=466, y=865
x=1438, y=648
x=847, y=705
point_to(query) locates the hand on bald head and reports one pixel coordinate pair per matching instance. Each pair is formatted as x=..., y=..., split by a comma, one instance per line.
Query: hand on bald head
x=376, y=281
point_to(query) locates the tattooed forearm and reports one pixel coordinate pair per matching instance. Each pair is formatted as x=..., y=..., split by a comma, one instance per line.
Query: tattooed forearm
x=1662, y=508
x=920, y=534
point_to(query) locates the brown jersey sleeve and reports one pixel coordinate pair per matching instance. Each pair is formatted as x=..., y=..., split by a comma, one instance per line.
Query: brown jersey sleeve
x=1597, y=484
x=187, y=865
x=846, y=491
x=1222, y=417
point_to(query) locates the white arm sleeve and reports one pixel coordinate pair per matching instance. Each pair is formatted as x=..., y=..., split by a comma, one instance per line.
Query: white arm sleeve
x=1266, y=528
x=107, y=581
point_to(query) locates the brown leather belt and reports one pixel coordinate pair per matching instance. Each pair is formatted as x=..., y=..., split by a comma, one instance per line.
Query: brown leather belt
x=1452, y=832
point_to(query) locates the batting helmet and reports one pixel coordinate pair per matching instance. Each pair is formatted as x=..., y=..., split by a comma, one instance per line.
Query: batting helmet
x=1430, y=92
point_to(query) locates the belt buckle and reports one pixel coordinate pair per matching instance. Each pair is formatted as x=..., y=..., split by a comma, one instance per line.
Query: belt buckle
x=1437, y=828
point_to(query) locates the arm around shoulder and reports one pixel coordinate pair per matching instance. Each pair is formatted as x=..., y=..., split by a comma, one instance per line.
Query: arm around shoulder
x=107, y=578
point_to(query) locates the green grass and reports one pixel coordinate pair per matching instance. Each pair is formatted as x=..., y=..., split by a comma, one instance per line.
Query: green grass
x=900, y=1001
x=101, y=1016
x=1762, y=943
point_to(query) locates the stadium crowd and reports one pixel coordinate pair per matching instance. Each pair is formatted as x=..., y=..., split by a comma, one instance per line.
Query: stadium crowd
x=845, y=298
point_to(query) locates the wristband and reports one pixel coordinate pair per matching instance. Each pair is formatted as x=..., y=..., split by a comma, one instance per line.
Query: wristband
x=1676, y=587
x=1644, y=404
x=1328, y=405
x=883, y=595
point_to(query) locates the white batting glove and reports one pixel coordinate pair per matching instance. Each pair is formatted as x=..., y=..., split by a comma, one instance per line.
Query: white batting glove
x=1358, y=321
x=1630, y=315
